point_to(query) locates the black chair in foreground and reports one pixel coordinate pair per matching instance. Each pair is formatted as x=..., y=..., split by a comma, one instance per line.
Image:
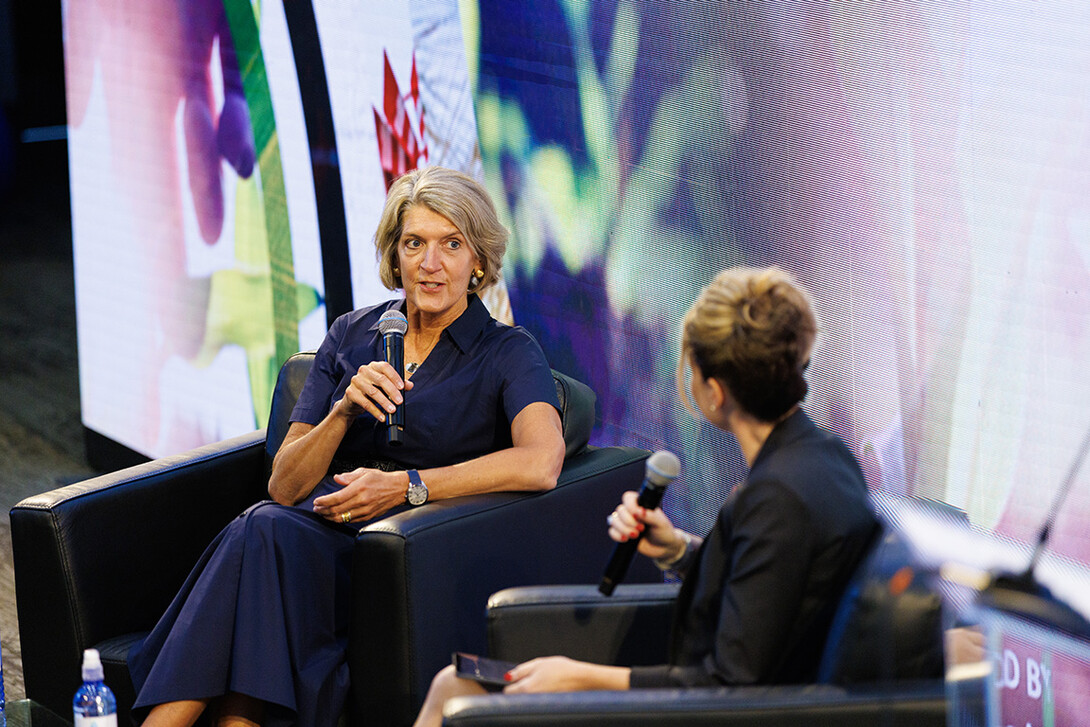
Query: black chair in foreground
x=97, y=562
x=882, y=663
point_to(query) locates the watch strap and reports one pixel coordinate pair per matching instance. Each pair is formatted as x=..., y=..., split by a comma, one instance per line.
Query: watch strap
x=417, y=494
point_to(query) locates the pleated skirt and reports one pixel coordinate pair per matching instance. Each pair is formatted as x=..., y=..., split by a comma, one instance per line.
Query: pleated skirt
x=264, y=613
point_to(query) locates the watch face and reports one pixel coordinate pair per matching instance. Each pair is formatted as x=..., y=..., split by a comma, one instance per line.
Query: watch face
x=417, y=495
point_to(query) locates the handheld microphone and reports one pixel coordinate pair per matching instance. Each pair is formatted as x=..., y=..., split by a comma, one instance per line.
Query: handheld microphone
x=662, y=469
x=393, y=325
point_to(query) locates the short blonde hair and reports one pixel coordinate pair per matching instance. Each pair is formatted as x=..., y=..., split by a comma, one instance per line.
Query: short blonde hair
x=753, y=330
x=455, y=196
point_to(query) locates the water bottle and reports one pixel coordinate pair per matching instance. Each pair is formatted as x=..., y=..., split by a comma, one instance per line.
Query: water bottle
x=94, y=704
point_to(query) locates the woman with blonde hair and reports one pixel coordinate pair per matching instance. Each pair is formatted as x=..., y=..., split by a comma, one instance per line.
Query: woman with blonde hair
x=760, y=589
x=259, y=630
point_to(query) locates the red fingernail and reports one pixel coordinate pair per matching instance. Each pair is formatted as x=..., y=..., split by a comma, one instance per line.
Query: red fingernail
x=507, y=677
x=634, y=535
x=639, y=526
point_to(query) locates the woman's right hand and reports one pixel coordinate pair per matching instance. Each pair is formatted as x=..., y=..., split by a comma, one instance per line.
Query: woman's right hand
x=307, y=450
x=376, y=389
x=660, y=537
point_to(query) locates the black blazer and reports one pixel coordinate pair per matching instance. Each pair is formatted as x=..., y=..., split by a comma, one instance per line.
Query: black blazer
x=757, y=601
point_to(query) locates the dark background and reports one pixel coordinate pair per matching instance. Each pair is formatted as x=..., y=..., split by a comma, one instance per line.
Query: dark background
x=41, y=434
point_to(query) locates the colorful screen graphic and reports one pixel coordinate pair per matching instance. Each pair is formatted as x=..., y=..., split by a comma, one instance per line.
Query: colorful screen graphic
x=227, y=171
x=921, y=167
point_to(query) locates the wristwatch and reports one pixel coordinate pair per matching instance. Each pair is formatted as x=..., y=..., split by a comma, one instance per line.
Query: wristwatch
x=418, y=491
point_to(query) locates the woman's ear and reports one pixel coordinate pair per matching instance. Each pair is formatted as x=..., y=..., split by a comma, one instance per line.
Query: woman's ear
x=718, y=393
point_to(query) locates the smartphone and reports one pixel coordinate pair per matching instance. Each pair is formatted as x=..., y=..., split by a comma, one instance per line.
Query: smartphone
x=489, y=672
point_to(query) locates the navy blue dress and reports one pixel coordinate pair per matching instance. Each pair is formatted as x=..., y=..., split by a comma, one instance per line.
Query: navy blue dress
x=265, y=610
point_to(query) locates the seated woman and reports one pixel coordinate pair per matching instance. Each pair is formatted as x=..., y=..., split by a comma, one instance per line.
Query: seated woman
x=760, y=590
x=260, y=627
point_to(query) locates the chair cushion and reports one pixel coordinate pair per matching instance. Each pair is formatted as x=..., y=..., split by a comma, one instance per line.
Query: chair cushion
x=115, y=665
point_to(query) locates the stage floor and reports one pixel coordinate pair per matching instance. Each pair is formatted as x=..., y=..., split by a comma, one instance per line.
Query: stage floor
x=41, y=435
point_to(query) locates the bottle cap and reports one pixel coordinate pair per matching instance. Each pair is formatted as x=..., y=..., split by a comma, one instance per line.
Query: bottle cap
x=92, y=666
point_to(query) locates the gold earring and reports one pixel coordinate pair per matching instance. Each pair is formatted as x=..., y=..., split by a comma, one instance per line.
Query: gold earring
x=478, y=274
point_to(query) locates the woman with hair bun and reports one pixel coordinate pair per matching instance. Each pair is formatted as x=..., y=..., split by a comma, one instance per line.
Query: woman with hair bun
x=760, y=589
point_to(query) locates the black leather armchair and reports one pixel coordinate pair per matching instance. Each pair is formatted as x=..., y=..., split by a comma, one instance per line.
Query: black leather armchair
x=97, y=562
x=882, y=665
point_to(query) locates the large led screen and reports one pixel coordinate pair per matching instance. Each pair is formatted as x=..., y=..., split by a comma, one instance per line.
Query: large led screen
x=921, y=167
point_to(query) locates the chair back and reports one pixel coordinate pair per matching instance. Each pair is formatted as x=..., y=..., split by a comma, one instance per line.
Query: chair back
x=289, y=384
x=888, y=624
x=576, y=406
x=576, y=412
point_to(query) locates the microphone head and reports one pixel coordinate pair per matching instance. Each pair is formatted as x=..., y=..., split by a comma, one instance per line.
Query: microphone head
x=393, y=321
x=662, y=468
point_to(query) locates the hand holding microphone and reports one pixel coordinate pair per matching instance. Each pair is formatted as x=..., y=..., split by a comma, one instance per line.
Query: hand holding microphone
x=662, y=468
x=376, y=388
x=656, y=536
x=393, y=326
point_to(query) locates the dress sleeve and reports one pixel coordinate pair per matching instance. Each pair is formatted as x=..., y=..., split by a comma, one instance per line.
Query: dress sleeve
x=525, y=374
x=768, y=555
x=314, y=400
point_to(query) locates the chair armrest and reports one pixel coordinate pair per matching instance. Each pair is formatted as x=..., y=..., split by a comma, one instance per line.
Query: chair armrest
x=422, y=577
x=104, y=557
x=922, y=705
x=631, y=627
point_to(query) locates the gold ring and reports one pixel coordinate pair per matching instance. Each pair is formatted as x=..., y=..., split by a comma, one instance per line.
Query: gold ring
x=346, y=517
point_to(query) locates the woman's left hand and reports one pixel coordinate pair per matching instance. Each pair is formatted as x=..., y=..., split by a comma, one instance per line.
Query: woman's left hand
x=561, y=674
x=365, y=494
x=546, y=674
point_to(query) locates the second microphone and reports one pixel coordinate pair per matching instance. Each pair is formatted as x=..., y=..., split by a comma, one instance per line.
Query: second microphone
x=662, y=468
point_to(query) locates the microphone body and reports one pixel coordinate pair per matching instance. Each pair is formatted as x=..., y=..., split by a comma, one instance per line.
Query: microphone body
x=662, y=468
x=393, y=326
